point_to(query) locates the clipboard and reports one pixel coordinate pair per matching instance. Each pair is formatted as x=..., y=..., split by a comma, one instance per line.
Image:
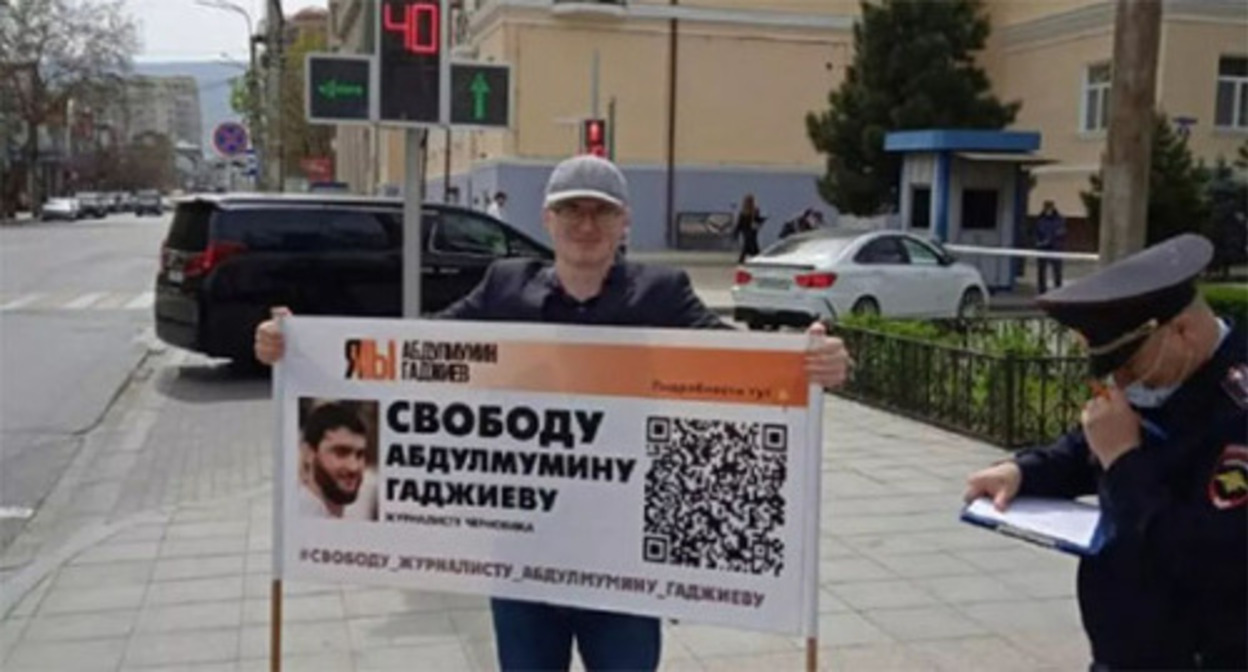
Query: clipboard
x=1063, y=525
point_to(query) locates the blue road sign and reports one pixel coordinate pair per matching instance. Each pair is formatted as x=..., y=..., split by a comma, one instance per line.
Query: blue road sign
x=229, y=138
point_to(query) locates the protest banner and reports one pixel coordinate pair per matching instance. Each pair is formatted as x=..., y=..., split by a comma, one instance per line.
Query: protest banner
x=672, y=473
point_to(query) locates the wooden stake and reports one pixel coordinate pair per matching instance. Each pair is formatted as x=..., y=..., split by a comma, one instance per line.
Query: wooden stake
x=275, y=626
x=812, y=654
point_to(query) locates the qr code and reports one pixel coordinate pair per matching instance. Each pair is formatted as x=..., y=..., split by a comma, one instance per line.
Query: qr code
x=713, y=494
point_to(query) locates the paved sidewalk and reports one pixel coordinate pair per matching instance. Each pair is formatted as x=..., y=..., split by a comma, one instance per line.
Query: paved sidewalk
x=904, y=586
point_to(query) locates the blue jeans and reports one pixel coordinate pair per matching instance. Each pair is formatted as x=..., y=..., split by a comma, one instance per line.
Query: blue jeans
x=537, y=636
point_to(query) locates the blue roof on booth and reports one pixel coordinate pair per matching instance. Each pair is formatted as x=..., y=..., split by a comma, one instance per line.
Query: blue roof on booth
x=1014, y=142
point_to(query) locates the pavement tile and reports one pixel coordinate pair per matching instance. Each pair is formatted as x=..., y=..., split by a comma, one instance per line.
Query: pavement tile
x=107, y=573
x=259, y=563
x=882, y=595
x=830, y=547
x=172, y=569
x=705, y=641
x=118, y=552
x=1022, y=557
x=206, y=530
x=872, y=657
x=1063, y=651
x=483, y=654
x=1025, y=616
x=296, y=609
x=829, y=603
x=970, y=589
x=198, y=548
x=443, y=656
x=333, y=661
x=86, y=600
x=473, y=623
x=937, y=622
x=30, y=602
x=405, y=630
x=1044, y=583
x=385, y=601
x=927, y=565
x=100, y=625
x=184, y=617
x=765, y=662
x=175, y=649
x=297, y=638
x=874, y=546
x=98, y=655
x=11, y=631
x=849, y=629
x=203, y=514
x=844, y=570
x=217, y=589
x=231, y=666
x=975, y=654
x=136, y=533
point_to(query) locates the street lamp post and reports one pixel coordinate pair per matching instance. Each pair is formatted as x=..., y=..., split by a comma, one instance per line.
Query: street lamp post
x=253, y=95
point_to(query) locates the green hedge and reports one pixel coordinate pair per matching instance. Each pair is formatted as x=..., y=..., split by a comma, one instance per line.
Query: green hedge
x=1228, y=300
x=1013, y=382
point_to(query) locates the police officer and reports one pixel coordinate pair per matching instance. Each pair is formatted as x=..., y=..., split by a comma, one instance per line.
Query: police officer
x=1165, y=447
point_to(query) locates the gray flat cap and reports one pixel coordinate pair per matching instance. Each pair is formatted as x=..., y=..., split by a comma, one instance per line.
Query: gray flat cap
x=587, y=176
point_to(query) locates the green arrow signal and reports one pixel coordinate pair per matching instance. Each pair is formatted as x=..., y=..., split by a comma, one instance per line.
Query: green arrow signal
x=480, y=89
x=335, y=89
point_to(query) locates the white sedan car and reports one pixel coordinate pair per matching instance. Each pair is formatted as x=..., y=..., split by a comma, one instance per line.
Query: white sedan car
x=825, y=274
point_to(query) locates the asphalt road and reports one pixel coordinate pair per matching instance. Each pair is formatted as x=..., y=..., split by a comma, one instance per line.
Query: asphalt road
x=75, y=316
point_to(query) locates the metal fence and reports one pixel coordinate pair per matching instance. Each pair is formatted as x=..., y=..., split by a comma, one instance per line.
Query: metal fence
x=1010, y=381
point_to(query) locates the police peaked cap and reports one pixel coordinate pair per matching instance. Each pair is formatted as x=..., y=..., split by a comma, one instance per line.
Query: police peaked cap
x=1119, y=306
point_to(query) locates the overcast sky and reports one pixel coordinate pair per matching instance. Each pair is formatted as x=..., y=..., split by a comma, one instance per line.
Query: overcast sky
x=182, y=30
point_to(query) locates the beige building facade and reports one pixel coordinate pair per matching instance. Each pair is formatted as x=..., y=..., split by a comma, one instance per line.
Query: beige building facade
x=747, y=73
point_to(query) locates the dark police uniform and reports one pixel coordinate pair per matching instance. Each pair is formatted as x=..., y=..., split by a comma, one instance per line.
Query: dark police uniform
x=1169, y=589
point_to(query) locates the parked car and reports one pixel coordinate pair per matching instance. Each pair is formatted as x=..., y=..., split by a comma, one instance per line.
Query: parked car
x=148, y=201
x=828, y=273
x=62, y=209
x=227, y=259
x=93, y=205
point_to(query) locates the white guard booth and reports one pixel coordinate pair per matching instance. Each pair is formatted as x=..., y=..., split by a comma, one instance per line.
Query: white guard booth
x=968, y=187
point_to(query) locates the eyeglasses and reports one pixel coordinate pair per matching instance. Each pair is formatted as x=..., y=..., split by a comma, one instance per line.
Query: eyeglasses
x=570, y=213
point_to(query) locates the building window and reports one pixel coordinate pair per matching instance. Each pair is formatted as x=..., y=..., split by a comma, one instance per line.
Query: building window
x=921, y=207
x=1231, y=109
x=1096, y=80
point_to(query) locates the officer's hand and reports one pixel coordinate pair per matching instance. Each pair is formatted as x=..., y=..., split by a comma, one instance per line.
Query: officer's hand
x=270, y=344
x=827, y=360
x=1111, y=426
x=1000, y=482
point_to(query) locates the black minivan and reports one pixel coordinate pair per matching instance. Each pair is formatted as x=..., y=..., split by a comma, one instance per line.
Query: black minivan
x=228, y=258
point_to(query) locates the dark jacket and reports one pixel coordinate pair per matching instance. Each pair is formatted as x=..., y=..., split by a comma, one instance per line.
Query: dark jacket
x=1169, y=590
x=524, y=290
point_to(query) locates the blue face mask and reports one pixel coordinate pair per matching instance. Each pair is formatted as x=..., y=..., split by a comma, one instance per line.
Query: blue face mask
x=1142, y=396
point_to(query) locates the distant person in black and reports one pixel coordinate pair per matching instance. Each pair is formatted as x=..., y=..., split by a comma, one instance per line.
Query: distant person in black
x=749, y=221
x=1166, y=449
x=586, y=213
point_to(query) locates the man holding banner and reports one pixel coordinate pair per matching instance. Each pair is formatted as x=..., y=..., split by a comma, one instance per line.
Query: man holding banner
x=586, y=214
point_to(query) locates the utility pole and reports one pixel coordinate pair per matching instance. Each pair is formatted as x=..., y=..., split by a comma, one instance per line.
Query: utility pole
x=669, y=226
x=1128, y=159
x=274, y=38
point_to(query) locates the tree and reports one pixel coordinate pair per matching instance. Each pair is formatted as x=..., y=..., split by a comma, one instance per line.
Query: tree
x=300, y=139
x=54, y=50
x=1176, y=188
x=1227, y=195
x=913, y=68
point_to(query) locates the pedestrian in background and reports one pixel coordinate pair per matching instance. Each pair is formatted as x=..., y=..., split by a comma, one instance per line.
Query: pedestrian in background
x=749, y=221
x=498, y=207
x=1165, y=446
x=1050, y=237
x=586, y=214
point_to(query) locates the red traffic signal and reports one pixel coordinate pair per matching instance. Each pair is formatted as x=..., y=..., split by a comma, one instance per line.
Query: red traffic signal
x=594, y=137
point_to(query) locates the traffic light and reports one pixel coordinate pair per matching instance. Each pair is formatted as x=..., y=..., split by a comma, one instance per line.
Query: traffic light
x=594, y=137
x=411, y=60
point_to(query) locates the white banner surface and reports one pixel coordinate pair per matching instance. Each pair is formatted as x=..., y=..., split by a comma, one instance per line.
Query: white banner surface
x=672, y=473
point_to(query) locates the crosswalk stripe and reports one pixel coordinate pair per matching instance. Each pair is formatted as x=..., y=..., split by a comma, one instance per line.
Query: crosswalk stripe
x=141, y=301
x=85, y=300
x=21, y=302
x=77, y=300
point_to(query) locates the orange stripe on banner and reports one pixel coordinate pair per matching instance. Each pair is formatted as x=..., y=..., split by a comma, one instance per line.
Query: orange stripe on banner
x=689, y=374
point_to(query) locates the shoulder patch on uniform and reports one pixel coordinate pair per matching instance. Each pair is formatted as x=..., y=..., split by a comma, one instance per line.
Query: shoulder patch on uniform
x=1236, y=384
x=1228, y=487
